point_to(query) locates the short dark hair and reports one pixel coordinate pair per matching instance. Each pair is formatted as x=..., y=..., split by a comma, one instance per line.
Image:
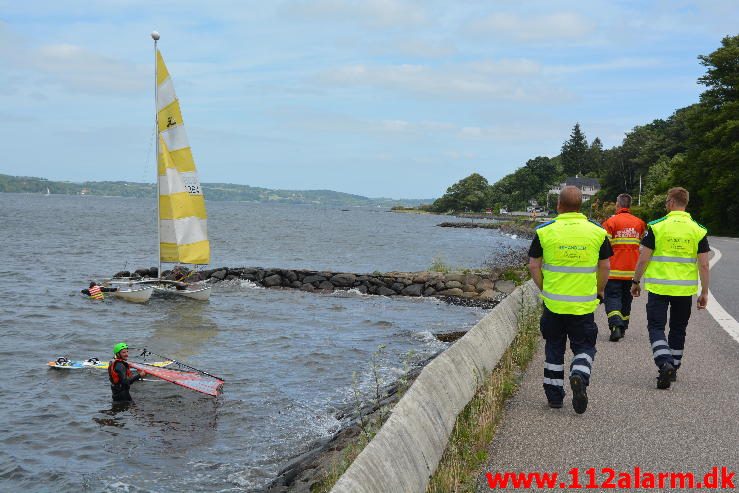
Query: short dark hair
x=679, y=195
x=570, y=198
x=623, y=200
x=93, y=283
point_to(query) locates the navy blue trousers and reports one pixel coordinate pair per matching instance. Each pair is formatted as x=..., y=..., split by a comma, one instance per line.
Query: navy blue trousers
x=618, y=302
x=668, y=349
x=556, y=329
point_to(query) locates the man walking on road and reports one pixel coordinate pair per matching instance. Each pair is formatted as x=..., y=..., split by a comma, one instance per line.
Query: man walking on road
x=667, y=260
x=625, y=231
x=569, y=263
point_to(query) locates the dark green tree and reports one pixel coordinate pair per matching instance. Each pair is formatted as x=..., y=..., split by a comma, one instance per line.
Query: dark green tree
x=574, y=152
x=595, y=158
x=712, y=168
x=469, y=194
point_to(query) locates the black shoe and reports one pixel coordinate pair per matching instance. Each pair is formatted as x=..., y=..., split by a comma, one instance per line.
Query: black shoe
x=673, y=378
x=615, y=333
x=666, y=373
x=623, y=332
x=555, y=404
x=579, y=394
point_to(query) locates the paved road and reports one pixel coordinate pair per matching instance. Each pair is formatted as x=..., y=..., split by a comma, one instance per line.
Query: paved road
x=629, y=423
x=725, y=274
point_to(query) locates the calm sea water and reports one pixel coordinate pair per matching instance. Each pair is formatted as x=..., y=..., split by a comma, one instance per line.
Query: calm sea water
x=289, y=358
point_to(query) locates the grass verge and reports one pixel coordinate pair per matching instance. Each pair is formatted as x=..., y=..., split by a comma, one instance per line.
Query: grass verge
x=467, y=450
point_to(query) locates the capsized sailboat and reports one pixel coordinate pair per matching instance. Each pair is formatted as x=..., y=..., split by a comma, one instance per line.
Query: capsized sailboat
x=182, y=374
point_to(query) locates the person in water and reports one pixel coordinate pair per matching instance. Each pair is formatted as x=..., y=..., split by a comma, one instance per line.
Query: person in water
x=95, y=292
x=120, y=374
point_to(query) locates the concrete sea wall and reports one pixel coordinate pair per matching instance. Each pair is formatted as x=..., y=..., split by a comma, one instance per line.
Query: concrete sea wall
x=408, y=448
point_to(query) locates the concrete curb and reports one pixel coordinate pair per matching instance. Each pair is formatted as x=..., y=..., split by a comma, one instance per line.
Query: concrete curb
x=407, y=449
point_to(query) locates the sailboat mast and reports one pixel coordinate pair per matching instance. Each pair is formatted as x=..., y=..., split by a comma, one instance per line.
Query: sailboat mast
x=155, y=37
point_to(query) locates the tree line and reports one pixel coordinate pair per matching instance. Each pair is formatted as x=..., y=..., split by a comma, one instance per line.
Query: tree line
x=697, y=147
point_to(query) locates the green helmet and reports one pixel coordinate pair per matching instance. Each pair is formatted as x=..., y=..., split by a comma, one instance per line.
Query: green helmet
x=119, y=347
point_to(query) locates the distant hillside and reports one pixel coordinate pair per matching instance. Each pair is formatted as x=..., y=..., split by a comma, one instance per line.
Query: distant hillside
x=213, y=191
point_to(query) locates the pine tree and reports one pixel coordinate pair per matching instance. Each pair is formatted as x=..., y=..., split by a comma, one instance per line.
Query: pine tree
x=574, y=152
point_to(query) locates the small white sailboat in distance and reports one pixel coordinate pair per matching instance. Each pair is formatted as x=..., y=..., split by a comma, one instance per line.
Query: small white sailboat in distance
x=48, y=192
x=181, y=216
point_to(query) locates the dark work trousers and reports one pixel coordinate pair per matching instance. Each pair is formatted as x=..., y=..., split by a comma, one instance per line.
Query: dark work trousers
x=555, y=329
x=668, y=349
x=618, y=302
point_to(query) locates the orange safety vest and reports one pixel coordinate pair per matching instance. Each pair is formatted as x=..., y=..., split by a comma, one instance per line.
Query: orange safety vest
x=115, y=379
x=96, y=293
x=625, y=232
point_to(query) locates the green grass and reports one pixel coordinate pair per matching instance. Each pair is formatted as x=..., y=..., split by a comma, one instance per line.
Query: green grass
x=467, y=450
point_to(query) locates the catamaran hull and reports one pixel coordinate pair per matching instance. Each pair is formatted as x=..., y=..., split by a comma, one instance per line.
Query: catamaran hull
x=137, y=294
x=200, y=294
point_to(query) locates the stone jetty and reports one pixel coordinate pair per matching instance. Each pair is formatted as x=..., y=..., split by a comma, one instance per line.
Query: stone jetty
x=479, y=288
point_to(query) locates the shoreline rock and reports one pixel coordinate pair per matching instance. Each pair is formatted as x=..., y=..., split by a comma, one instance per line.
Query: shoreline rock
x=466, y=288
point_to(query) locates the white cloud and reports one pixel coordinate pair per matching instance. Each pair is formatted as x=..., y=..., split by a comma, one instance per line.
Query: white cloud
x=562, y=26
x=372, y=13
x=454, y=81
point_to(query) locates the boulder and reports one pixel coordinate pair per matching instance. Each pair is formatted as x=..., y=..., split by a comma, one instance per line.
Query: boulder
x=484, y=285
x=469, y=294
x=343, y=280
x=313, y=279
x=383, y=291
x=421, y=278
x=289, y=275
x=362, y=289
x=297, y=284
x=455, y=276
x=397, y=287
x=326, y=285
x=471, y=279
x=307, y=287
x=453, y=284
x=123, y=273
x=412, y=290
x=489, y=294
x=469, y=288
x=506, y=287
x=451, y=292
x=429, y=291
x=219, y=274
x=272, y=281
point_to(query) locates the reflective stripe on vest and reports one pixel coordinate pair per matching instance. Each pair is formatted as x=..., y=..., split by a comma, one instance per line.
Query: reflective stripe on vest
x=621, y=273
x=96, y=293
x=679, y=260
x=673, y=268
x=625, y=241
x=571, y=270
x=571, y=246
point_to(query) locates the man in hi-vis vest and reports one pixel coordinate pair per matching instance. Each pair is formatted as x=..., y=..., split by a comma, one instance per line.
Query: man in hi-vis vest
x=674, y=253
x=569, y=263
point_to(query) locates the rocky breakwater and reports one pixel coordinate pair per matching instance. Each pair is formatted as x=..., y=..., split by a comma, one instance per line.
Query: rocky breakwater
x=482, y=288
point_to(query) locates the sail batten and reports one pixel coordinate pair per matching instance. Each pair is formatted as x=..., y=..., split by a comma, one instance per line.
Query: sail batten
x=183, y=227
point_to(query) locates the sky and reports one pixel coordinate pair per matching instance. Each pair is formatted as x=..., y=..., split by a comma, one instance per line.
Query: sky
x=381, y=98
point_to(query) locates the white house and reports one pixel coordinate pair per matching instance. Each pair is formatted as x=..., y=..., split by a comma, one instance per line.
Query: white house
x=588, y=186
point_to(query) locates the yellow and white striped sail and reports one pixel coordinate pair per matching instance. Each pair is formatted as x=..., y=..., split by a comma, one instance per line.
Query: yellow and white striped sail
x=183, y=225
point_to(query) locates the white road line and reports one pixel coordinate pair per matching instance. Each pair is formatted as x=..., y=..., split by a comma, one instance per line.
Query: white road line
x=726, y=321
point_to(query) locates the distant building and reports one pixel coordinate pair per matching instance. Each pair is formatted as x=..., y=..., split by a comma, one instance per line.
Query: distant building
x=588, y=186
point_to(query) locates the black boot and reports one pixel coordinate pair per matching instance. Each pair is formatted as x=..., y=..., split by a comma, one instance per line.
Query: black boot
x=666, y=372
x=579, y=394
x=615, y=333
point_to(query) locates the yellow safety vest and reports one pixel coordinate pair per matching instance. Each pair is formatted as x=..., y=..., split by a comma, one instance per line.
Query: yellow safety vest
x=571, y=247
x=673, y=268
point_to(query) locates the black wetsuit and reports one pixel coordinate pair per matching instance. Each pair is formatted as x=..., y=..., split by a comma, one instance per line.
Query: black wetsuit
x=120, y=390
